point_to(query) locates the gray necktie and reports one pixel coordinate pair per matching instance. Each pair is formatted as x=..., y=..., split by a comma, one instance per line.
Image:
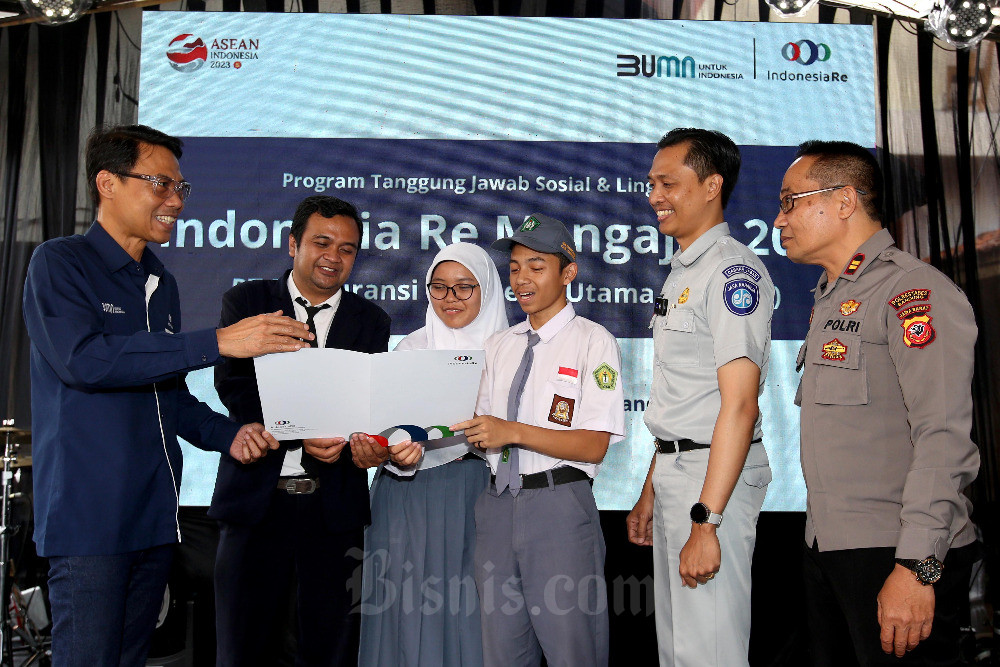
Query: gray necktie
x=507, y=468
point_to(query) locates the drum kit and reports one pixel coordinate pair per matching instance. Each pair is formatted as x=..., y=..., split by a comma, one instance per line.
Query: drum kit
x=24, y=613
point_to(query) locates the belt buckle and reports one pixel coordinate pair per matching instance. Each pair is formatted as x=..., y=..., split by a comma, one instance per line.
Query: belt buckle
x=674, y=446
x=300, y=487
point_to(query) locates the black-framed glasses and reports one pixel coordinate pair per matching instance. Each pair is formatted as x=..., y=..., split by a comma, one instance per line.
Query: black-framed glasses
x=787, y=203
x=462, y=292
x=163, y=186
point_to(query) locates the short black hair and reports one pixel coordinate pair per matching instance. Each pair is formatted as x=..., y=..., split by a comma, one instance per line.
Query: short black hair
x=117, y=148
x=709, y=152
x=327, y=207
x=846, y=163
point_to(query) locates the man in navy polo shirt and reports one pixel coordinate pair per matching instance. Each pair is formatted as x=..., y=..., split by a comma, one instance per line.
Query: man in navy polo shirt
x=109, y=400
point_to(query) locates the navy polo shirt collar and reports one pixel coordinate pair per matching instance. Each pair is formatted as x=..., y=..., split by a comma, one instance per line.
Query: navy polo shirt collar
x=114, y=256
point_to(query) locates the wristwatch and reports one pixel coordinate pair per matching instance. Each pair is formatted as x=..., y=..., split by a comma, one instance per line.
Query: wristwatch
x=701, y=514
x=928, y=570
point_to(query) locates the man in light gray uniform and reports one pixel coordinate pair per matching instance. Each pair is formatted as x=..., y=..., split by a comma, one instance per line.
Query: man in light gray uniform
x=712, y=340
x=886, y=414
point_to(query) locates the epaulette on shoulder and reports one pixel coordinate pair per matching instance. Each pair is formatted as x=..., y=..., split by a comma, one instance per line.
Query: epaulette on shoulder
x=902, y=259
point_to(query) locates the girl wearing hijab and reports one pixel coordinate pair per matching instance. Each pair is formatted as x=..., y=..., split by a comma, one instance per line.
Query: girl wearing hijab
x=420, y=605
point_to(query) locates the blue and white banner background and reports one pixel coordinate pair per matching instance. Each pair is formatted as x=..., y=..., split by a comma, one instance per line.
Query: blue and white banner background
x=443, y=129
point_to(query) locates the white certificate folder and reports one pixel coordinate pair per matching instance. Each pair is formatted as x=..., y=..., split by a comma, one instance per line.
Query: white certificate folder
x=328, y=393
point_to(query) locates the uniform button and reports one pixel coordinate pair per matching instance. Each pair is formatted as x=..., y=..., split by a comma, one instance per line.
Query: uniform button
x=723, y=242
x=673, y=284
x=685, y=325
x=204, y=358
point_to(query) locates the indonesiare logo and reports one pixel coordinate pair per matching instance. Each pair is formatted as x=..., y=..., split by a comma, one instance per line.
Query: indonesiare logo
x=187, y=53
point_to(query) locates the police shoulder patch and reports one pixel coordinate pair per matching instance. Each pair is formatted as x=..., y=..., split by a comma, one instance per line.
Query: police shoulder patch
x=741, y=296
x=917, y=331
x=606, y=377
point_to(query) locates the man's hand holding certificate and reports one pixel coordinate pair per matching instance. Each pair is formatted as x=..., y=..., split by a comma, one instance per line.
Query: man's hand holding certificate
x=322, y=393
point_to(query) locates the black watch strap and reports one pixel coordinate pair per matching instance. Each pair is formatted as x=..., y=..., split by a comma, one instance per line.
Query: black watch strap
x=928, y=570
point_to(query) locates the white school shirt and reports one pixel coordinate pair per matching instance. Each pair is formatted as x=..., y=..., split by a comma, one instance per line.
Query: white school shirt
x=575, y=383
x=291, y=465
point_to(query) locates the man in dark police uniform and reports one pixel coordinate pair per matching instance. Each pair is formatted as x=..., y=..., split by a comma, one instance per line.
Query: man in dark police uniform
x=108, y=400
x=886, y=416
x=293, y=524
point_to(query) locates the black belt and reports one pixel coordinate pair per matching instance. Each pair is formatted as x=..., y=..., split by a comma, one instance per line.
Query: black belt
x=540, y=480
x=685, y=445
x=297, y=486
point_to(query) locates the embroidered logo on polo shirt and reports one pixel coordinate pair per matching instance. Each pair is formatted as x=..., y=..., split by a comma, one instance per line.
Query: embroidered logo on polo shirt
x=848, y=307
x=855, y=263
x=741, y=296
x=917, y=331
x=561, y=410
x=112, y=309
x=606, y=377
x=834, y=351
x=741, y=268
x=909, y=295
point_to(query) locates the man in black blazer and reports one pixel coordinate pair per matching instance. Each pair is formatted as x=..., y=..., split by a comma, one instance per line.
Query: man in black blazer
x=293, y=523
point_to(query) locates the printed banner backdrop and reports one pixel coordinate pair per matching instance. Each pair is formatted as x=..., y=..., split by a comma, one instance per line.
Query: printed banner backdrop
x=444, y=129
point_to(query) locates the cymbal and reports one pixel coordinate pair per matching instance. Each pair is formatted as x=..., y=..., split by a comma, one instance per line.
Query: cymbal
x=14, y=432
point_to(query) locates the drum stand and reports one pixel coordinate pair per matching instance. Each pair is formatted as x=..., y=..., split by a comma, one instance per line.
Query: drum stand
x=14, y=616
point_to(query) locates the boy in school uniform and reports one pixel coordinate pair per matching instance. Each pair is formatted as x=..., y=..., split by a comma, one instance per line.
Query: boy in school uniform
x=549, y=404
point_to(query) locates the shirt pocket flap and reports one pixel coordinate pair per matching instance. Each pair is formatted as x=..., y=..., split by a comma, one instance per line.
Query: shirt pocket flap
x=840, y=371
x=679, y=319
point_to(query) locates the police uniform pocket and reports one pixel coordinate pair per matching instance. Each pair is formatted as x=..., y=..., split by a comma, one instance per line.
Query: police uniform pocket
x=677, y=338
x=840, y=371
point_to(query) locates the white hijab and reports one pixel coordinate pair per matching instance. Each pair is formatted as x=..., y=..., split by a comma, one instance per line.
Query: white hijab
x=492, y=317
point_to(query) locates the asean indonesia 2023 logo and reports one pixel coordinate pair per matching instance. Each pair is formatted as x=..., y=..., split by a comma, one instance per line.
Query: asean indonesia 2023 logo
x=187, y=53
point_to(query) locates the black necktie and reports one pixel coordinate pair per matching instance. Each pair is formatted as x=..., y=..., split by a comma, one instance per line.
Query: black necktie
x=310, y=315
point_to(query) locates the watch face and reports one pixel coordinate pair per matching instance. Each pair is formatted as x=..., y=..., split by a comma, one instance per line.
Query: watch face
x=929, y=570
x=699, y=513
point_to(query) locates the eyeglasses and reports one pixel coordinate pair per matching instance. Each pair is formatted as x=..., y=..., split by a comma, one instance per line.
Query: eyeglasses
x=163, y=186
x=787, y=203
x=440, y=291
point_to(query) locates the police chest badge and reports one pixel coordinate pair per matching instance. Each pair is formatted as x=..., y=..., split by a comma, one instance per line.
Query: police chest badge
x=683, y=298
x=848, y=307
x=561, y=410
x=834, y=351
x=917, y=331
x=741, y=296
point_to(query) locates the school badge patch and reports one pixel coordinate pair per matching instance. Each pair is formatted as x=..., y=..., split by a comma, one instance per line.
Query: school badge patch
x=561, y=410
x=606, y=377
x=834, y=351
x=848, y=307
x=530, y=223
x=741, y=296
x=917, y=331
x=683, y=298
